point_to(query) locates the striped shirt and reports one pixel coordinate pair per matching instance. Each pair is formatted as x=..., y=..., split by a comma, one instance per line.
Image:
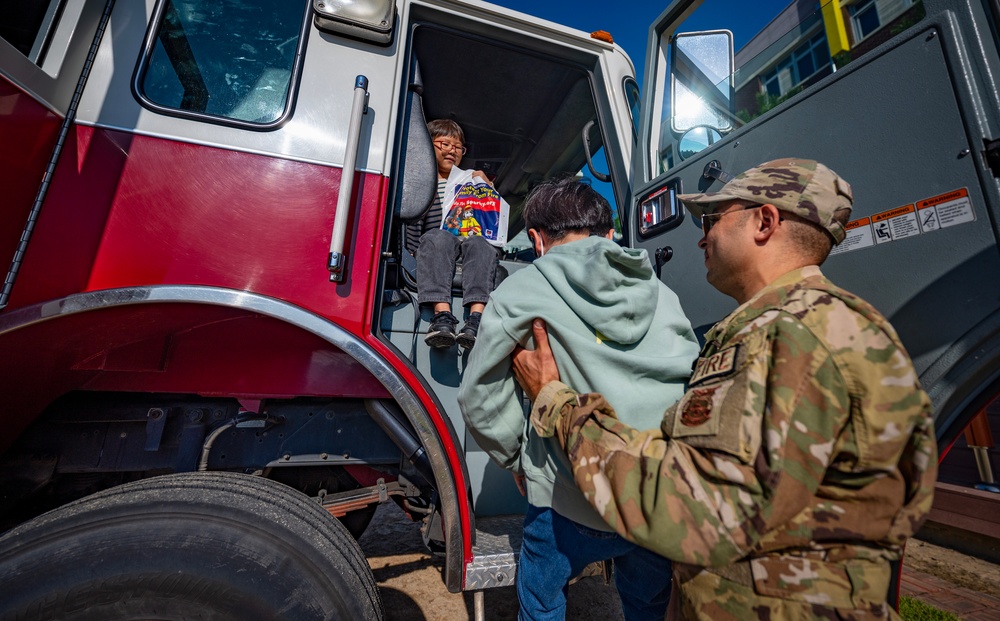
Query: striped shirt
x=431, y=220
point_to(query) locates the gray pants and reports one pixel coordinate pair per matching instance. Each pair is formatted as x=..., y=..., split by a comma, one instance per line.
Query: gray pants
x=437, y=256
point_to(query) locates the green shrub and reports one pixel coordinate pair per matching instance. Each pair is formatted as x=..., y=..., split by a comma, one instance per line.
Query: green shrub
x=915, y=610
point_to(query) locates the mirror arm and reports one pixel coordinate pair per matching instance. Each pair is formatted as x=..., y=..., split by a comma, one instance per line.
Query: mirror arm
x=586, y=150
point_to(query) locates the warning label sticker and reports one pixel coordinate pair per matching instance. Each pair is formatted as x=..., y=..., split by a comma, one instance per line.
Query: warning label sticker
x=859, y=235
x=945, y=210
x=898, y=223
x=925, y=216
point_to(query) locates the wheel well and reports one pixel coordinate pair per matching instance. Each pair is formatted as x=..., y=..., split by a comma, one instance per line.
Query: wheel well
x=85, y=442
x=964, y=380
x=124, y=341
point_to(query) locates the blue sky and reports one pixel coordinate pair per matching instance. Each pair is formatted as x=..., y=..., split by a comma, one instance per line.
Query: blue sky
x=628, y=21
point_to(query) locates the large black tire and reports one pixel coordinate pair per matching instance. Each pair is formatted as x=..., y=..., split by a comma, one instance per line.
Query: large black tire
x=206, y=546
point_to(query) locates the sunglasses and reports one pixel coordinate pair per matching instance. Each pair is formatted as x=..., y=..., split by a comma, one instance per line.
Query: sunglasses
x=708, y=220
x=448, y=146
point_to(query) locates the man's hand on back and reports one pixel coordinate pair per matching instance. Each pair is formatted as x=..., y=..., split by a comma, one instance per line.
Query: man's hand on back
x=534, y=369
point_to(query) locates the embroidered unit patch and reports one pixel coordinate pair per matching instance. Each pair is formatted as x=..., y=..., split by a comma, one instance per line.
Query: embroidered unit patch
x=698, y=409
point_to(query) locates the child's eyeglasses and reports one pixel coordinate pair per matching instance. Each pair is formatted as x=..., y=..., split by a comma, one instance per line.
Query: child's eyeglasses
x=448, y=146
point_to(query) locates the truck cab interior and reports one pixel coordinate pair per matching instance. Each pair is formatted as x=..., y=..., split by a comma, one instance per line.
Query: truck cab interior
x=523, y=112
x=525, y=105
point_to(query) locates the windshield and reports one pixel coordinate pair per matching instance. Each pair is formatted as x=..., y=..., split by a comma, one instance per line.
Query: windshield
x=780, y=49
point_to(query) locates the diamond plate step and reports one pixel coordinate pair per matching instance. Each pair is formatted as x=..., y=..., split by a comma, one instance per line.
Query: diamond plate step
x=494, y=556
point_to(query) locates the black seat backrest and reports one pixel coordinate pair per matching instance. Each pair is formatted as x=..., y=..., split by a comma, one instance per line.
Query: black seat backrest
x=419, y=180
x=419, y=165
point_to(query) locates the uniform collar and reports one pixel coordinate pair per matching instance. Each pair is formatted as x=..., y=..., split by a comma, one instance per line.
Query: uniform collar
x=768, y=297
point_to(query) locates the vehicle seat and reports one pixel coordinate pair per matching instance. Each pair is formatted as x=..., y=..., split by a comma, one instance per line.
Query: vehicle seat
x=419, y=166
x=419, y=184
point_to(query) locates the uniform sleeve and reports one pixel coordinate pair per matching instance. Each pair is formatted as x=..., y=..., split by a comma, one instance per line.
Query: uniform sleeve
x=742, y=452
x=488, y=396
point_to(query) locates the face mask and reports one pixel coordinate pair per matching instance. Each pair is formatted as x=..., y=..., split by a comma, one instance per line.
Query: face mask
x=537, y=237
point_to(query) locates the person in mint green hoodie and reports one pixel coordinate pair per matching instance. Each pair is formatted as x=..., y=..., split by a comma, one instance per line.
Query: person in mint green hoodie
x=614, y=328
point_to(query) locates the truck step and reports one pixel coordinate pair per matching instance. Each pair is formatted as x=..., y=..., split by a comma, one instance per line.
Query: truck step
x=494, y=555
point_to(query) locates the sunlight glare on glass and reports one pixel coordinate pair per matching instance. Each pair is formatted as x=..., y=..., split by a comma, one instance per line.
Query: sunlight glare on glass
x=689, y=109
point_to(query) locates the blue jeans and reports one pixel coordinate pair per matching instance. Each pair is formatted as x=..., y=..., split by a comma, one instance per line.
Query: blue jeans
x=556, y=549
x=437, y=257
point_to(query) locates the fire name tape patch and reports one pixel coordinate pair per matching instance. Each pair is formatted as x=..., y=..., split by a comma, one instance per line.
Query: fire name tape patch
x=717, y=365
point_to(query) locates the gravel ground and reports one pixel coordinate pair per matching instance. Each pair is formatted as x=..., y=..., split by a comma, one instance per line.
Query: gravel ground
x=409, y=577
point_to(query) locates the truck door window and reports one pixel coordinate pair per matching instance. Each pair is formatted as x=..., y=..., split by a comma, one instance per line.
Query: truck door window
x=777, y=56
x=633, y=99
x=701, y=85
x=231, y=61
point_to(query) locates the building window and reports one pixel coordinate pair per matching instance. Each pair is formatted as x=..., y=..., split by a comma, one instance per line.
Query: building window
x=867, y=16
x=234, y=61
x=804, y=62
x=864, y=16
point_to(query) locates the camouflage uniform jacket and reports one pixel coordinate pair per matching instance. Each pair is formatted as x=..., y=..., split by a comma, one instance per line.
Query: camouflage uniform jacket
x=790, y=473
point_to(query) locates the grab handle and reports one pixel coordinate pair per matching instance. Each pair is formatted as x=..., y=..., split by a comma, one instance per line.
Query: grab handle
x=337, y=260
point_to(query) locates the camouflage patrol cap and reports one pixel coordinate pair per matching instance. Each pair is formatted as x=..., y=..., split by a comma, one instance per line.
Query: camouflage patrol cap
x=803, y=187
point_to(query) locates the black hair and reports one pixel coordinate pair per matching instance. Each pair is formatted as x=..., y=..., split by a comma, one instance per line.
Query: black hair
x=560, y=206
x=445, y=128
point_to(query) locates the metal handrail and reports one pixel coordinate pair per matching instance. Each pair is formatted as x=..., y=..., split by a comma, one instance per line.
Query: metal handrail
x=337, y=259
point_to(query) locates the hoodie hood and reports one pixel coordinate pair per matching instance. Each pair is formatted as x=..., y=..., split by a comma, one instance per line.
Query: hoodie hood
x=618, y=303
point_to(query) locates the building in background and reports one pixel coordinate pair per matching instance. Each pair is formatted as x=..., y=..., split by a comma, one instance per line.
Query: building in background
x=808, y=41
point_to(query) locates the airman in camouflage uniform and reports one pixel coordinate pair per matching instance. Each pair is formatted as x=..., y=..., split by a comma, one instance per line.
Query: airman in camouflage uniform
x=802, y=455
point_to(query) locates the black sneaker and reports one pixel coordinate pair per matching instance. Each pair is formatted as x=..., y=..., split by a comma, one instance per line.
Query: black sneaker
x=442, y=330
x=467, y=335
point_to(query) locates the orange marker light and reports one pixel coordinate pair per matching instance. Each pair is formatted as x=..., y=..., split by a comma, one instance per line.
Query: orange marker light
x=602, y=35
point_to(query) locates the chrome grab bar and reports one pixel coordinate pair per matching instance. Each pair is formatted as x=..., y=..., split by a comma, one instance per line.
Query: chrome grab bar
x=336, y=261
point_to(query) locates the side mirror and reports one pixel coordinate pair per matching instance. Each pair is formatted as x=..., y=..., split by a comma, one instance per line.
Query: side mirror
x=701, y=81
x=697, y=139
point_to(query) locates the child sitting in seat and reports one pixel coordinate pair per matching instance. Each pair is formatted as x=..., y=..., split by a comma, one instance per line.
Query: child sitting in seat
x=439, y=250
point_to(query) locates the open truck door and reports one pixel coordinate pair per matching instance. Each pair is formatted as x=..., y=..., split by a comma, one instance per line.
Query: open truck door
x=900, y=99
x=910, y=121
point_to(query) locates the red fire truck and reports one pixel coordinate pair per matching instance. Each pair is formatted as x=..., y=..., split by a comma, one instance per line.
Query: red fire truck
x=211, y=340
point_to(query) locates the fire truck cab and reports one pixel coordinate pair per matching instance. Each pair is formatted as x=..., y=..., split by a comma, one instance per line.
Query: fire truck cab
x=203, y=223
